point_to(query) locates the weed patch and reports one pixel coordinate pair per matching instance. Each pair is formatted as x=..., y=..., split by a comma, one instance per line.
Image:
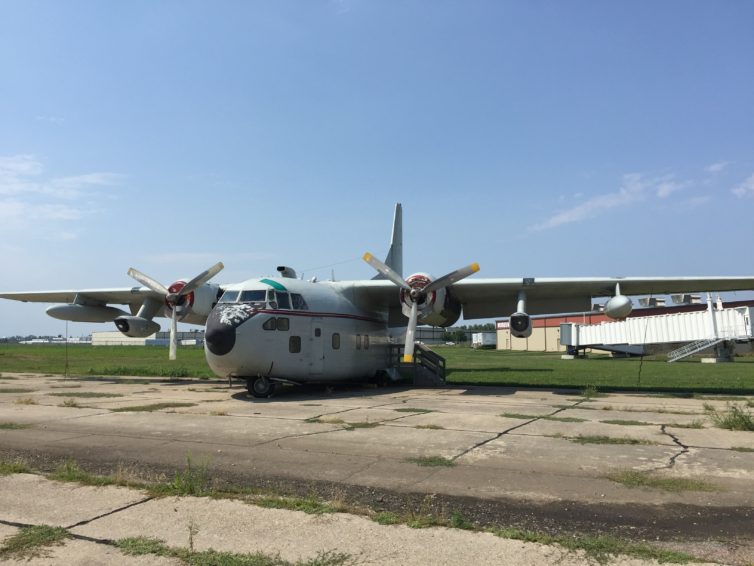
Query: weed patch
x=736, y=417
x=696, y=423
x=70, y=471
x=17, y=466
x=412, y=410
x=142, y=546
x=742, y=449
x=16, y=390
x=626, y=423
x=25, y=401
x=32, y=542
x=152, y=407
x=354, y=426
x=432, y=461
x=430, y=427
x=591, y=392
x=194, y=479
x=524, y=416
x=387, y=518
x=307, y=504
x=70, y=403
x=602, y=439
x=600, y=548
x=325, y=420
x=633, y=478
x=13, y=426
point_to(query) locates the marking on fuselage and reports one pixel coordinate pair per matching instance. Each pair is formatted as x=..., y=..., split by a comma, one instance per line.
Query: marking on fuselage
x=274, y=284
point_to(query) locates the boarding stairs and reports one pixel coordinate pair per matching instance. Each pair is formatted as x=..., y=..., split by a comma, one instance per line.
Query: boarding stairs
x=427, y=369
x=693, y=348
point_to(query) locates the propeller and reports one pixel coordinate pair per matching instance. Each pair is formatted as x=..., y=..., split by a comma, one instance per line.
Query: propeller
x=174, y=294
x=418, y=294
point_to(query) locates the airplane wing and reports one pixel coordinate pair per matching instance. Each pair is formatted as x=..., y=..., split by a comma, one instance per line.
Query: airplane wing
x=134, y=297
x=485, y=298
x=488, y=298
x=129, y=296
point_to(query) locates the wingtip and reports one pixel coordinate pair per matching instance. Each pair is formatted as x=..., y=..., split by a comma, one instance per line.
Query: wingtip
x=367, y=257
x=475, y=267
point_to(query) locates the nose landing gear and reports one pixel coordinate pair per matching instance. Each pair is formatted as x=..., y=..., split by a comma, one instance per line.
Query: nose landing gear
x=260, y=387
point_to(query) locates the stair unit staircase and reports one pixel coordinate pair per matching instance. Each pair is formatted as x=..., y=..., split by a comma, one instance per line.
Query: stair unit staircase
x=693, y=348
x=427, y=369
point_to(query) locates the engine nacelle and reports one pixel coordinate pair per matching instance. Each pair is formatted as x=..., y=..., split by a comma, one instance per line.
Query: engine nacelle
x=520, y=325
x=136, y=326
x=438, y=308
x=85, y=313
x=198, y=302
x=618, y=307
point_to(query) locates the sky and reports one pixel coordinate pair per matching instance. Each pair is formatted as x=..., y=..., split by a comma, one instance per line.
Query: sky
x=540, y=139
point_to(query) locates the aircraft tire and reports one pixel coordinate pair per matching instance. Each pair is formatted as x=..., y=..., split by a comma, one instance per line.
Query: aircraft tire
x=260, y=387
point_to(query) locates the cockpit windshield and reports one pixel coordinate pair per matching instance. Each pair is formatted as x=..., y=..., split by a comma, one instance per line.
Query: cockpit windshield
x=258, y=296
x=229, y=297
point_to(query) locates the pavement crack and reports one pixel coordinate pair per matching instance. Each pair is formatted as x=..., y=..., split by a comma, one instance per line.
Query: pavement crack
x=684, y=449
x=511, y=429
x=118, y=510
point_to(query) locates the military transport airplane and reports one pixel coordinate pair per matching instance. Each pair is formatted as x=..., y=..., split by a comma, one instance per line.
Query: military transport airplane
x=286, y=330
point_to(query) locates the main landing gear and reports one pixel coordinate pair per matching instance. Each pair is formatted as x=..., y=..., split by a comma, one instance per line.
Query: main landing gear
x=260, y=387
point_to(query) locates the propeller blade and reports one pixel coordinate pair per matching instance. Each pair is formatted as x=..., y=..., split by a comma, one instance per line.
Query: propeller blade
x=452, y=277
x=147, y=281
x=386, y=271
x=201, y=279
x=173, y=335
x=408, y=350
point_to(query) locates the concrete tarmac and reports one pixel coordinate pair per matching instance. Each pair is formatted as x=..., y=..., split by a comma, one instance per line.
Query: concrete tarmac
x=532, y=459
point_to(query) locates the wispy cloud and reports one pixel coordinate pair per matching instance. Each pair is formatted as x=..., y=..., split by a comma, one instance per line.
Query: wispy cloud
x=634, y=188
x=31, y=196
x=745, y=189
x=717, y=167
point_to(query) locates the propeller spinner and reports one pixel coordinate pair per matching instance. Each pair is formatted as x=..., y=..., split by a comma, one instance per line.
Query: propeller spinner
x=417, y=293
x=176, y=295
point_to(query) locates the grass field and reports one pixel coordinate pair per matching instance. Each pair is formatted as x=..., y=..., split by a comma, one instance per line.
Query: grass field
x=465, y=367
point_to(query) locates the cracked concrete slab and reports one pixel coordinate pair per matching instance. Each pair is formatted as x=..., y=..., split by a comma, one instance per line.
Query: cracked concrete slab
x=29, y=498
x=497, y=459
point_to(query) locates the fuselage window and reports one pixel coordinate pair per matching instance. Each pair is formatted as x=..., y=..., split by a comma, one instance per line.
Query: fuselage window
x=284, y=302
x=284, y=324
x=358, y=341
x=253, y=297
x=366, y=341
x=229, y=297
x=317, y=332
x=336, y=341
x=270, y=324
x=294, y=344
x=298, y=302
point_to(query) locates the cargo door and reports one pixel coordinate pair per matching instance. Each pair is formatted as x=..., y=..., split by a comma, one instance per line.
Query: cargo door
x=316, y=364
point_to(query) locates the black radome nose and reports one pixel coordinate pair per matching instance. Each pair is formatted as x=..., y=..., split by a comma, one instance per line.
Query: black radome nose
x=220, y=338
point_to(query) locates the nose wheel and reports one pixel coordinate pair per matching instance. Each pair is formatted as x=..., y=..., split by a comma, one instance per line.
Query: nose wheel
x=260, y=387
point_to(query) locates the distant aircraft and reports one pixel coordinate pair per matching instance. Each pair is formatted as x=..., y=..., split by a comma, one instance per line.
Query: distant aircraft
x=286, y=330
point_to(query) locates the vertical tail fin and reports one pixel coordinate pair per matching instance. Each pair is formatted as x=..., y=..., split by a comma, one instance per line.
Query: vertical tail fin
x=394, y=258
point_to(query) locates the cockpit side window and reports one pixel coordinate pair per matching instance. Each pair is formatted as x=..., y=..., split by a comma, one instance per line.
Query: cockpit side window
x=253, y=296
x=284, y=301
x=229, y=297
x=298, y=302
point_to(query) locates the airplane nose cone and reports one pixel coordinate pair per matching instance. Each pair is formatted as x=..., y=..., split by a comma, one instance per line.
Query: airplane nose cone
x=219, y=337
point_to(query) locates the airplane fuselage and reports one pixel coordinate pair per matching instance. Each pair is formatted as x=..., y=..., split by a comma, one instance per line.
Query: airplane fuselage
x=294, y=330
